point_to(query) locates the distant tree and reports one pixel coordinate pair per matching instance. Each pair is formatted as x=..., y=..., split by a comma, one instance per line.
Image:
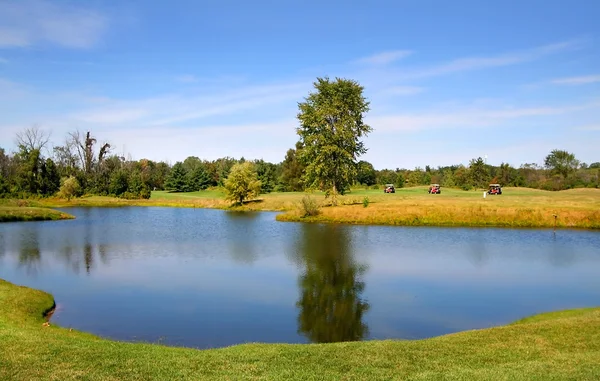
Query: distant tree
x=419, y=177
x=119, y=182
x=70, y=188
x=29, y=170
x=386, y=176
x=32, y=139
x=137, y=186
x=222, y=166
x=478, y=173
x=561, y=162
x=49, y=178
x=197, y=178
x=331, y=125
x=292, y=170
x=594, y=165
x=267, y=174
x=242, y=183
x=177, y=178
x=366, y=174
x=506, y=174
x=400, y=180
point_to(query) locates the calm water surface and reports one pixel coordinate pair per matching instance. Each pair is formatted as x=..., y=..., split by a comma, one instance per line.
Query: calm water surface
x=209, y=278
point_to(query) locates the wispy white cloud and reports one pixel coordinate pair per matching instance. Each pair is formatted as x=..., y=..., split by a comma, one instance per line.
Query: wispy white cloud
x=582, y=80
x=29, y=22
x=467, y=117
x=384, y=58
x=478, y=63
x=178, y=109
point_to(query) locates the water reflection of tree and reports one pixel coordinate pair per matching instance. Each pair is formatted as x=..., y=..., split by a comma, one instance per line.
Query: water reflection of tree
x=30, y=255
x=331, y=308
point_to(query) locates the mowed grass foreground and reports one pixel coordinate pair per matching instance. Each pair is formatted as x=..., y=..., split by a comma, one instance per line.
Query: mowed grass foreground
x=555, y=346
x=517, y=207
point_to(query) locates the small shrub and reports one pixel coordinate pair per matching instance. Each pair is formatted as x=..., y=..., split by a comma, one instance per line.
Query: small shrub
x=145, y=193
x=366, y=201
x=309, y=207
x=70, y=188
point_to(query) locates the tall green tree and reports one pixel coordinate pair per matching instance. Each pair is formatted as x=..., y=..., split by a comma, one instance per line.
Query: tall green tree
x=365, y=173
x=561, y=162
x=242, y=182
x=197, y=178
x=292, y=170
x=267, y=174
x=478, y=173
x=177, y=178
x=331, y=128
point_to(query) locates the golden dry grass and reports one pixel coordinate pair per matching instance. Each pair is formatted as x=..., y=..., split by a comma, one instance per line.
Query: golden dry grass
x=517, y=207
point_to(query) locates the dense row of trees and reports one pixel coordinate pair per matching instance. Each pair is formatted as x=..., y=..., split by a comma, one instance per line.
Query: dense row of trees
x=87, y=168
x=81, y=166
x=560, y=171
x=325, y=157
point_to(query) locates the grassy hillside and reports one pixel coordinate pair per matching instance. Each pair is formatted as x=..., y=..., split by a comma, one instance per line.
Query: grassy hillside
x=558, y=346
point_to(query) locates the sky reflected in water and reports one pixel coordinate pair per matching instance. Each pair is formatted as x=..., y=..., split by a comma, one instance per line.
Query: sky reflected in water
x=210, y=278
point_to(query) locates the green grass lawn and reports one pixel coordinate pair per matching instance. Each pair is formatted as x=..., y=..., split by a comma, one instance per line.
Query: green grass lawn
x=557, y=346
x=24, y=213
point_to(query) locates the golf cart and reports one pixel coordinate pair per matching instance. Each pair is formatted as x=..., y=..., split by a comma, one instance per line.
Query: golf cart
x=389, y=188
x=434, y=189
x=495, y=189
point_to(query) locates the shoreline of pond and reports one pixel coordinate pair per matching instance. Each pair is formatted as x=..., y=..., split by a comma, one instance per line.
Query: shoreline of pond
x=352, y=211
x=575, y=353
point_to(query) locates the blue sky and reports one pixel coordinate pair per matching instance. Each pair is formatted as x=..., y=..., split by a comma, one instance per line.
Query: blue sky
x=447, y=81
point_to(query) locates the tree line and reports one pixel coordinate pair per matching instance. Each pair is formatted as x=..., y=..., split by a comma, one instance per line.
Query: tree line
x=325, y=157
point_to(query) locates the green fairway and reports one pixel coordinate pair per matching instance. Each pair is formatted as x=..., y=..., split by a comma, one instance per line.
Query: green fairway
x=165, y=195
x=556, y=346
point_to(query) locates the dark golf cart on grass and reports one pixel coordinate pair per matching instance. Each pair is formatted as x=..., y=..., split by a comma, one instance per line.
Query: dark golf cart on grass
x=495, y=189
x=434, y=189
x=389, y=188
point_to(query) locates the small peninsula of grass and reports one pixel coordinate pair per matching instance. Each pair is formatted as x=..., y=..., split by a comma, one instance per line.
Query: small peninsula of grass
x=555, y=346
x=16, y=213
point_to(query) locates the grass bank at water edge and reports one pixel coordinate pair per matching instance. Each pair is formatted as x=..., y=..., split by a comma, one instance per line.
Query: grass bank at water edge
x=558, y=346
x=16, y=213
x=516, y=207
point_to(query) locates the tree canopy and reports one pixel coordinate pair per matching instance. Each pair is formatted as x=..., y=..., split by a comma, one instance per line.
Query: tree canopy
x=242, y=182
x=561, y=162
x=331, y=128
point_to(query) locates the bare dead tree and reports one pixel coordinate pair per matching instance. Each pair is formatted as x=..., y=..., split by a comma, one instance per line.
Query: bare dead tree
x=75, y=142
x=104, y=150
x=85, y=150
x=32, y=138
x=89, y=151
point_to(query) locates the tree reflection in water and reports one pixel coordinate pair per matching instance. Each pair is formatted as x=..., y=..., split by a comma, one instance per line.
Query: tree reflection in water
x=331, y=308
x=30, y=255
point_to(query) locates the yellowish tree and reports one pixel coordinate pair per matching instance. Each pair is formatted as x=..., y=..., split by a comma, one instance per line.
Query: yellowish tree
x=242, y=183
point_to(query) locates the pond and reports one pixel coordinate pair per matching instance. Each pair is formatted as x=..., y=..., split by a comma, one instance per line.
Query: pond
x=210, y=278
